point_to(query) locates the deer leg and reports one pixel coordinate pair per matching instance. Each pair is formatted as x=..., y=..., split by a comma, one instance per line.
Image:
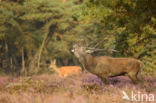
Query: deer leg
x=140, y=77
x=104, y=80
x=133, y=77
x=143, y=82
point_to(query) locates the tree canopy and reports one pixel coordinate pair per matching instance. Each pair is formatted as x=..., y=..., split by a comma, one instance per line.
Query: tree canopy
x=33, y=32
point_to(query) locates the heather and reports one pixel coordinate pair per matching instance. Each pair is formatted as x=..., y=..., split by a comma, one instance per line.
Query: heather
x=86, y=88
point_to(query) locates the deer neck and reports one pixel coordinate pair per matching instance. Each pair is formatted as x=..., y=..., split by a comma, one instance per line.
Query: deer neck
x=88, y=62
x=56, y=68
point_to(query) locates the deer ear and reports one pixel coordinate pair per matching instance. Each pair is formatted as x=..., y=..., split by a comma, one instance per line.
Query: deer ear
x=54, y=62
x=51, y=61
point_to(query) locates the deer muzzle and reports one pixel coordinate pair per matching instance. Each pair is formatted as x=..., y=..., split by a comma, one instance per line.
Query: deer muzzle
x=72, y=50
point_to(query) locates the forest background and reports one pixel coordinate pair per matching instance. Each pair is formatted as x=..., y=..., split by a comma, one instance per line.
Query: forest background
x=33, y=32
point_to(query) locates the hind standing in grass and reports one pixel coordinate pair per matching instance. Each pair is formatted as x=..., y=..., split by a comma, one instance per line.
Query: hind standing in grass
x=65, y=71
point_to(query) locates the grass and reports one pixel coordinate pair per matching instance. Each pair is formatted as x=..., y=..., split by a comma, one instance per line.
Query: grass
x=85, y=88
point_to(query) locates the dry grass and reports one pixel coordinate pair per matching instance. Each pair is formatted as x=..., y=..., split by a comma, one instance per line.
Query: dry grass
x=85, y=88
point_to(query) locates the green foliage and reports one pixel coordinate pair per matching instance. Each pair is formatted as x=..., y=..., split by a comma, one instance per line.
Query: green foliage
x=131, y=23
x=34, y=31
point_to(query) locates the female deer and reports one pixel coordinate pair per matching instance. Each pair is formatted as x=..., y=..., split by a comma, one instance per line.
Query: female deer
x=65, y=71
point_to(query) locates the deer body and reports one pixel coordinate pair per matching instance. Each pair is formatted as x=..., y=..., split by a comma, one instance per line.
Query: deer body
x=105, y=66
x=111, y=66
x=66, y=70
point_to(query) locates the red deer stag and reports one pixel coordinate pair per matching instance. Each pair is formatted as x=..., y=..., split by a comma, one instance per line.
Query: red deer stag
x=105, y=66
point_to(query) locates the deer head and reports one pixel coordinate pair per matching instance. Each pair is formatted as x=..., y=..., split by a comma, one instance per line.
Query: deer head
x=52, y=64
x=80, y=49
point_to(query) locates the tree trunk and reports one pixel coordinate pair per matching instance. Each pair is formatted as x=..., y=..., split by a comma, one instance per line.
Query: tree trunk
x=32, y=63
x=23, y=71
x=15, y=61
x=36, y=59
x=40, y=51
x=7, y=62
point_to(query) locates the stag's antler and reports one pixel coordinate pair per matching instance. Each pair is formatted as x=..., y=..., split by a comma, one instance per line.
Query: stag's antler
x=93, y=49
x=105, y=39
x=96, y=49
